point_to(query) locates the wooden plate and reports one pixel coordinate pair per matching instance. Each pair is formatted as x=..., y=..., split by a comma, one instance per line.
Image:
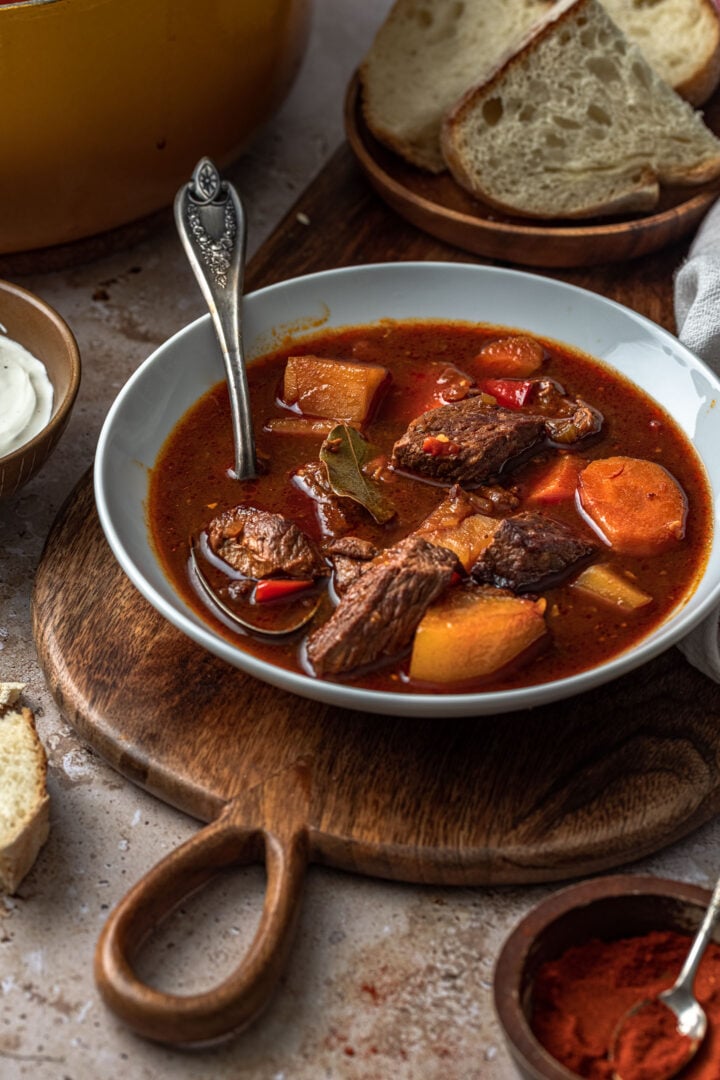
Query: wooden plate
x=440, y=207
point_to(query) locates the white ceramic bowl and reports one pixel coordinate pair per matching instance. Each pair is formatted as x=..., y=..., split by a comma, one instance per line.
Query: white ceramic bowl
x=176, y=374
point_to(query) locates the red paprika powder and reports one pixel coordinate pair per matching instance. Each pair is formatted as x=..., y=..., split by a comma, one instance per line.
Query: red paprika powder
x=580, y=998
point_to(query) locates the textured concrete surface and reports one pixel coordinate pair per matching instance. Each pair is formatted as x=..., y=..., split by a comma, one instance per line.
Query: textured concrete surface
x=385, y=981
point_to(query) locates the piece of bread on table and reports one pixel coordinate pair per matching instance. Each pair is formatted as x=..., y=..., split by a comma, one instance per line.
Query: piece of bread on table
x=576, y=124
x=24, y=802
x=679, y=38
x=424, y=56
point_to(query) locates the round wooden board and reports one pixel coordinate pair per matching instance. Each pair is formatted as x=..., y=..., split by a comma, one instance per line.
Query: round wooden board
x=440, y=207
x=567, y=789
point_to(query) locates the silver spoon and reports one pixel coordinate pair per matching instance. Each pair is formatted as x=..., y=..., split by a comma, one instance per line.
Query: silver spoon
x=211, y=223
x=680, y=998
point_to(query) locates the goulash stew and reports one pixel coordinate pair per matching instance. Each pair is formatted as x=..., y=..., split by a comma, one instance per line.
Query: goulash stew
x=453, y=507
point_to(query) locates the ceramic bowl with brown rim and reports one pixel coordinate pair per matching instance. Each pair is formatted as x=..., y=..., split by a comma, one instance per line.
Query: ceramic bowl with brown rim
x=31, y=322
x=605, y=908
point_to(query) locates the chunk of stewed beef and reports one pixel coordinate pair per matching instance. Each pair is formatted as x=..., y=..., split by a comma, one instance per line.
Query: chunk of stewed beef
x=567, y=419
x=350, y=557
x=259, y=544
x=530, y=549
x=466, y=442
x=335, y=515
x=379, y=613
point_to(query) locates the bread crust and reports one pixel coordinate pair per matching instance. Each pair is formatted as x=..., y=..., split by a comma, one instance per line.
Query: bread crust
x=704, y=82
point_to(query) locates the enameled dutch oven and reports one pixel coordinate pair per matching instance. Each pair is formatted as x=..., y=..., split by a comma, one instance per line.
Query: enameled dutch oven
x=108, y=104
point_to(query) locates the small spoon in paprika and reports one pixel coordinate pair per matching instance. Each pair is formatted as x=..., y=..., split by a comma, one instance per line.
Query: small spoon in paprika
x=675, y=1017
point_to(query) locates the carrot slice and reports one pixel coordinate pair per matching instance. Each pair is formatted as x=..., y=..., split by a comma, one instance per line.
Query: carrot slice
x=558, y=483
x=516, y=355
x=637, y=505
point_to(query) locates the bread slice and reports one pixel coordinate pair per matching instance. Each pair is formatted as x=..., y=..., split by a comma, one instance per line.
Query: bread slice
x=428, y=52
x=576, y=124
x=425, y=55
x=679, y=38
x=24, y=802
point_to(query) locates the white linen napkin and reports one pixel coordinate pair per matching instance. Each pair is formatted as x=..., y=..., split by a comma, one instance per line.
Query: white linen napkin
x=697, y=314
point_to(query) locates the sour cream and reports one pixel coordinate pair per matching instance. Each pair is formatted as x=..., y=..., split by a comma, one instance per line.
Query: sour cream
x=26, y=395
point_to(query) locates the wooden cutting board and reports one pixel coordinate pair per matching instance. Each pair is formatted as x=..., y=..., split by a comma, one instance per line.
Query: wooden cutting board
x=561, y=791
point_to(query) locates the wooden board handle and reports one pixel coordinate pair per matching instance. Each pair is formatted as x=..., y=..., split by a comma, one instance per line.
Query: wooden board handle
x=235, y=1002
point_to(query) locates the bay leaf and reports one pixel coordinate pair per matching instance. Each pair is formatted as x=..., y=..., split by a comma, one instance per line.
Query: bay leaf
x=344, y=453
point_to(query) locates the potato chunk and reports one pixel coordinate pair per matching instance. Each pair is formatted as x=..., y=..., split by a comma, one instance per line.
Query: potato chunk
x=614, y=588
x=338, y=389
x=468, y=634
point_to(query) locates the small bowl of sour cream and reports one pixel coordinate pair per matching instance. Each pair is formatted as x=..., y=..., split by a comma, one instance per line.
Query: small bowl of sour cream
x=39, y=380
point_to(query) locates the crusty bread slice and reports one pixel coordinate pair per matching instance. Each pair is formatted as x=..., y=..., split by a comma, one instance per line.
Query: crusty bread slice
x=428, y=52
x=576, y=124
x=24, y=802
x=680, y=39
x=425, y=55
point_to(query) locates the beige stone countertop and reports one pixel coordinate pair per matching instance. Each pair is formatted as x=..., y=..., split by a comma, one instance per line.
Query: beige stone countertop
x=384, y=980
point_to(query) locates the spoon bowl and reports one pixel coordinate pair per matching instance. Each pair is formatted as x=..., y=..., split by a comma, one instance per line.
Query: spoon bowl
x=285, y=618
x=656, y=1022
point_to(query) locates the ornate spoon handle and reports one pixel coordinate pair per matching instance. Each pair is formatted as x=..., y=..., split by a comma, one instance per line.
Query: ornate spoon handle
x=211, y=223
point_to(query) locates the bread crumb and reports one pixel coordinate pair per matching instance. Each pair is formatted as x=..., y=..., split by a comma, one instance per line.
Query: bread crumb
x=10, y=692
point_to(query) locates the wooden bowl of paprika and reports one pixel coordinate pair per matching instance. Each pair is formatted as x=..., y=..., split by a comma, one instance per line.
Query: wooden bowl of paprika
x=578, y=961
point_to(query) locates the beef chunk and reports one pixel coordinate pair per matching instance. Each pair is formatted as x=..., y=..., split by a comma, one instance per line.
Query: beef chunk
x=494, y=499
x=259, y=544
x=335, y=515
x=583, y=421
x=468, y=441
x=380, y=611
x=567, y=419
x=529, y=549
x=350, y=556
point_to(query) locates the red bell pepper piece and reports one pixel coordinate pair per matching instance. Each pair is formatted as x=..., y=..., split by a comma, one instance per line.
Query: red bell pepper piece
x=278, y=588
x=439, y=446
x=512, y=393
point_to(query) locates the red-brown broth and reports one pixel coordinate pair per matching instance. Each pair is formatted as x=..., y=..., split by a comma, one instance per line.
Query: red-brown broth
x=190, y=484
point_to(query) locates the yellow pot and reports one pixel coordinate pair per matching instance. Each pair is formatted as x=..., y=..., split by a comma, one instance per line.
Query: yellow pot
x=109, y=104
